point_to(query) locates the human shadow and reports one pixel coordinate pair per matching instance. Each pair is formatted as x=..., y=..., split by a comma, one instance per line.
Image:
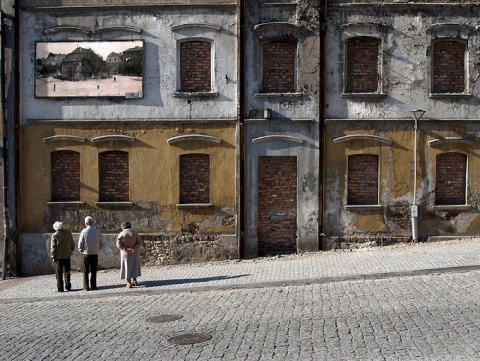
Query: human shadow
x=157, y=283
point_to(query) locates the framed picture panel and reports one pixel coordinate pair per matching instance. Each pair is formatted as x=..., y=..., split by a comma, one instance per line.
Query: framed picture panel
x=89, y=69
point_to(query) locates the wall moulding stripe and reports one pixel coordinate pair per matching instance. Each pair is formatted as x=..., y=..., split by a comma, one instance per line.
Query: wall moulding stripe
x=121, y=138
x=432, y=143
x=194, y=137
x=196, y=25
x=376, y=138
x=274, y=137
x=63, y=138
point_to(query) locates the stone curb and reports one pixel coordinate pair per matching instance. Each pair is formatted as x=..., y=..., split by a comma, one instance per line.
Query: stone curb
x=281, y=283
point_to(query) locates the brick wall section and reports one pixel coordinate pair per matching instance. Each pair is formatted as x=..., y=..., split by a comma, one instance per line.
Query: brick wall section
x=195, y=66
x=362, y=65
x=65, y=176
x=279, y=66
x=165, y=249
x=451, y=179
x=362, y=179
x=449, y=67
x=277, y=205
x=195, y=178
x=114, y=176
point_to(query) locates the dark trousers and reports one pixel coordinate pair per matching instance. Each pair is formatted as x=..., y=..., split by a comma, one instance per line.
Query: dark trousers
x=62, y=271
x=89, y=265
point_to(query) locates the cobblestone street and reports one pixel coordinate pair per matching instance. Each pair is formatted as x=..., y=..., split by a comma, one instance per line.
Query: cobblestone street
x=433, y=315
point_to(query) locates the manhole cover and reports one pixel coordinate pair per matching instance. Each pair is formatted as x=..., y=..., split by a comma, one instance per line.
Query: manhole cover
x=190, y=338
x=164, y=318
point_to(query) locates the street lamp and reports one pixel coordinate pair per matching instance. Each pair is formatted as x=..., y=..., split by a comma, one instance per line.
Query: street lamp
x=417, y=115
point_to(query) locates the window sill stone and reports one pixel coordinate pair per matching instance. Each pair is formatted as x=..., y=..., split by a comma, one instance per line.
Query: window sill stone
x=201, y=94
x=65, y=203
x=363, y=95
x=279, y=95
x=453, y=207
x=113, y=204
x=195, y=205
x=450, y=95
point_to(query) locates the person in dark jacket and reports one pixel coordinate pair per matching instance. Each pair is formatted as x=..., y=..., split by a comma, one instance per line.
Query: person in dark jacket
x=61, y=248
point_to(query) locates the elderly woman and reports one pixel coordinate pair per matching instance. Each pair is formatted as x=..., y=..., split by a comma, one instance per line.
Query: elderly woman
x=61, y=248
x=129, y=244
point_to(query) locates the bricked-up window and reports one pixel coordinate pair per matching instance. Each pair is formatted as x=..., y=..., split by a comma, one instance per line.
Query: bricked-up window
x=279, y=66
x=65, y=176
x=362, y=179
x=448, y=67
x=114, y=176
x=362, y=64
x=195, y=66
x=194, y=178
x=450, y=187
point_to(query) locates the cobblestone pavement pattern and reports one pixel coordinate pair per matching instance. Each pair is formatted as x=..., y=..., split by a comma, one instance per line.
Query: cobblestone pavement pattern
x=430, y=313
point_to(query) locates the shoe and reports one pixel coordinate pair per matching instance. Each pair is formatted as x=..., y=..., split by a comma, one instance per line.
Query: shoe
x=128, y=285
x=135, y=283
x=86, y=289
x=60, y=291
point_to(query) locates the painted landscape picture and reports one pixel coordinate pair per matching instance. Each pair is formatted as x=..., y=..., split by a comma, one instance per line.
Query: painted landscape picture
x=89, y=69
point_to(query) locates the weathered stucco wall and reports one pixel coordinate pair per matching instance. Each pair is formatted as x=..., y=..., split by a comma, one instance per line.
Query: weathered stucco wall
x=293, y=117
x=154, y=178
x=158, y=250
x=161, y=113
x=406, y=31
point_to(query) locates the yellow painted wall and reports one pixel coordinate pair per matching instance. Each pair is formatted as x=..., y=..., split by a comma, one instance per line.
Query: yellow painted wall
x=396, y=183
x=154, y=175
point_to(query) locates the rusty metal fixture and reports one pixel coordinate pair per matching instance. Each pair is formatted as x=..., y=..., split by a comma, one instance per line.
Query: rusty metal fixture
x=164, y=318
x=190, y=338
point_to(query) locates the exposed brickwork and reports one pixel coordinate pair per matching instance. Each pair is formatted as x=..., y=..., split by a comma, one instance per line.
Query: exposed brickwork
x=362, y=65
x=195, y=178
x=114, y=176
x=279, y=66
x=65, y=176
x=448, y=67
x=277, y=205
x=362, y=179
x=195, y=66
x=451, y=179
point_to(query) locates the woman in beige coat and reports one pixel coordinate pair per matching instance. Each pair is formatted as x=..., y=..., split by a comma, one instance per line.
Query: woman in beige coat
x=129, y=244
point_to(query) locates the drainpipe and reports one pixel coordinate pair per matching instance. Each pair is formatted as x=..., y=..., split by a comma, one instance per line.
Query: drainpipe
x=417, y=115
x=2, y=152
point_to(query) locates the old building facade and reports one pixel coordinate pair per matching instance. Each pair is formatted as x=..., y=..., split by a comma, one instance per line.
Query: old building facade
x=225, y=129
x=151, y=141
x=389, y=177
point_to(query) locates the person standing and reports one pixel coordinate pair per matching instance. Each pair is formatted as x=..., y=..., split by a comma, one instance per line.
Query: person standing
x=61, y=248
x=129, y=244
x=89, y=244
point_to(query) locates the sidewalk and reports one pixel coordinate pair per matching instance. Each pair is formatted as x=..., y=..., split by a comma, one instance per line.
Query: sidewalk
x=319, y=267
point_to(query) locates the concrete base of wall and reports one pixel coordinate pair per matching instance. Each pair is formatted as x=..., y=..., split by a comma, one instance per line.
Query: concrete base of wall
x=352, y=242
x=447, y=238
x=158, y=250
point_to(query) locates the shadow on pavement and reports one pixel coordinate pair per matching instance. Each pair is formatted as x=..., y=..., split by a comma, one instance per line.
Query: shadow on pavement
x=188, y=280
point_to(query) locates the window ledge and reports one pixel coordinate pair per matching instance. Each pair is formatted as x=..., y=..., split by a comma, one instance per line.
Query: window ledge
x=364, y=207
x=450, y=95
x=458, y=207
x=194, y=205
x=278, y=95
x=363, y=95
x=113, y=204
x=65, y=203
x=200, y=94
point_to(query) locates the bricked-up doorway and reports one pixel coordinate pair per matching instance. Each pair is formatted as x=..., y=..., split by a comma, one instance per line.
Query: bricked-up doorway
x=277, y=205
